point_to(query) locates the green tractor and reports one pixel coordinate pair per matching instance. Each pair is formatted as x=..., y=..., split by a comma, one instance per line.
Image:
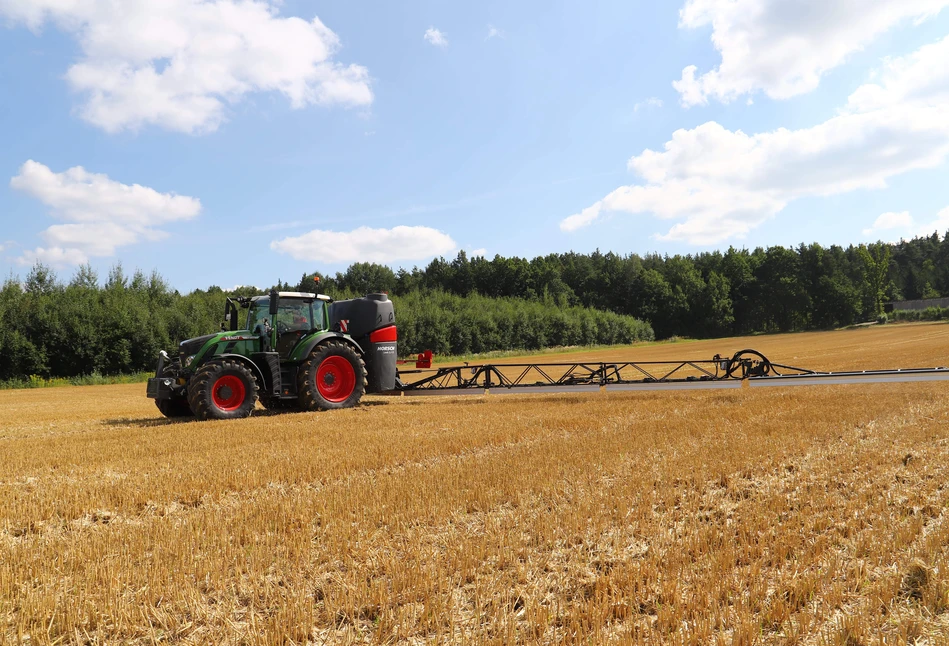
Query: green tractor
x=296, y=351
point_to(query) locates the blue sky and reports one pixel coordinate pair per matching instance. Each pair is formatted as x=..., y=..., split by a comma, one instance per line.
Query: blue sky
x=223, y=142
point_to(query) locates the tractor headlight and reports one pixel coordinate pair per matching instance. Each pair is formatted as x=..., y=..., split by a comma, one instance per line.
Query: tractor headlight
x=189, y=360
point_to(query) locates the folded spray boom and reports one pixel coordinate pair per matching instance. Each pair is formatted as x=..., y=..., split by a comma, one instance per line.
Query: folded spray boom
x=746, y=367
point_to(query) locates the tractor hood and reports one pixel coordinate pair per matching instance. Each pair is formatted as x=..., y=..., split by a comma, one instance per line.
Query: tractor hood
x=192, y=346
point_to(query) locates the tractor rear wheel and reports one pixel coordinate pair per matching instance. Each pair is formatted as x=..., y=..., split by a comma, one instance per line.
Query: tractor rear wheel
x=334, y=376
x=223, y=390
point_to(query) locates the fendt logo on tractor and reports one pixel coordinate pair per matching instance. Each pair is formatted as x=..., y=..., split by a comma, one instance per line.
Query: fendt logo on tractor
x=297, y=351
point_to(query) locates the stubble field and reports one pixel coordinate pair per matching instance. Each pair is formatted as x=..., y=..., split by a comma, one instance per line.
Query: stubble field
x=812, y=515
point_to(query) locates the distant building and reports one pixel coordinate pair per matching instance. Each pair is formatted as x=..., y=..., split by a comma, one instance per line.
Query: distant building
x=921, y=304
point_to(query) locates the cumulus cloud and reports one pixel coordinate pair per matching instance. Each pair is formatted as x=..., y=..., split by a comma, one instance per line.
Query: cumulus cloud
x=721, y=183
x=904, y=225
x=584, y=218
x=889, y=221
x=100, y=214
x=939, y=225
x=53, y=256
x=178, y=64
x=921, y=77
x=436, y=37
x=784, y=48
x=367, y=245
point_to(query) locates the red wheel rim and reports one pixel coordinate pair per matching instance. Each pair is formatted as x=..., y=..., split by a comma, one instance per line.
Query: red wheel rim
x=335, y=379
x=228, y=392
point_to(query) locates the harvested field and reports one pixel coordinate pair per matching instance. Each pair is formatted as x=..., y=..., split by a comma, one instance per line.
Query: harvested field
x=812, y=515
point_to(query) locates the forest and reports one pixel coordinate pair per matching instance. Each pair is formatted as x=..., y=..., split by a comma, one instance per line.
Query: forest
x=117, y=324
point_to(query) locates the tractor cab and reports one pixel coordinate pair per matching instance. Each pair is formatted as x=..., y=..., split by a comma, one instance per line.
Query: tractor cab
x=295, y=316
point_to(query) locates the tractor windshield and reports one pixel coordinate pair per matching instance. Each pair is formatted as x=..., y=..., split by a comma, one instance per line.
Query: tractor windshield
x=293, y=316
x=259, y=310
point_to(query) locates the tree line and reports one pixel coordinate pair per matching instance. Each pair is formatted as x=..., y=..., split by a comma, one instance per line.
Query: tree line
x=709, y=294
x=55, y=329
x=117, y=325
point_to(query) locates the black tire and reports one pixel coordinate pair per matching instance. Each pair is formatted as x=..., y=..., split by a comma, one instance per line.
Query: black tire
x=737, y=371
x=177, y=406
x=333, y=377
x=223, y=390
x=280, y=404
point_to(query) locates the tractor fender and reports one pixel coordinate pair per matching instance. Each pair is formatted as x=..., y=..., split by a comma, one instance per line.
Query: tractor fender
x=326, y=336
x=253, y=366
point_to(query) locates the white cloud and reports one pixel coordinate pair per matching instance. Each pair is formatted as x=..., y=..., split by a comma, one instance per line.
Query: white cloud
x=902, y=223
x=100, y=214
x=178, y=64
x=940, y=225
x=494, y=32
x=921, y=77
x=651, y=102
x=584, y=218
x=889, y=221
x=53, y=256
x=783, y=48
x=435, y=37
x=478, y=253
x=721, y=184
x=367, y=245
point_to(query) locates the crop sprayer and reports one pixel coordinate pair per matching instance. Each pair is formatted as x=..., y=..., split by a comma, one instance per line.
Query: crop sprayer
x=303, y=351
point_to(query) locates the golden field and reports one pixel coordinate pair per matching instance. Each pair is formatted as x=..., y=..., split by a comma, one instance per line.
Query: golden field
x=812, y=515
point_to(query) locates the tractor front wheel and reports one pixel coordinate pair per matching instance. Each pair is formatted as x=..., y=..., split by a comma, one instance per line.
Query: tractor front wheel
x=333, y=377
x=176, y=406
x=275, y=404
x=223, y=390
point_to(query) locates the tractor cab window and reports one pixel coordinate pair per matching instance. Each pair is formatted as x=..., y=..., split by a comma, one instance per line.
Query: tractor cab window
x=319, y=315
x=259, y=310
x=294, y=319
x=293, y=316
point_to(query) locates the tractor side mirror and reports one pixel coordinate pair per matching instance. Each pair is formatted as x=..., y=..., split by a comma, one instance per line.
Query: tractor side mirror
x=230, y=316
x=274, y=302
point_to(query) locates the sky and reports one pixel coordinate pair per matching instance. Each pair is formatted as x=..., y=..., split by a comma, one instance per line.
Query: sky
x=242, y=142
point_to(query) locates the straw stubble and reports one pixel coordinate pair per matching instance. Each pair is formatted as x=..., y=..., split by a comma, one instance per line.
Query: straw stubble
x=800, y=516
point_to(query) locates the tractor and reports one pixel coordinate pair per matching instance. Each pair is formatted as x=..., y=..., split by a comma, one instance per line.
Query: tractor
x=296, y=350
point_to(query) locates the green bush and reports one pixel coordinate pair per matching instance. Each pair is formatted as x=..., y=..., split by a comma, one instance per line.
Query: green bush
x=461, y=325
x=54, y=334
x=928, y=314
